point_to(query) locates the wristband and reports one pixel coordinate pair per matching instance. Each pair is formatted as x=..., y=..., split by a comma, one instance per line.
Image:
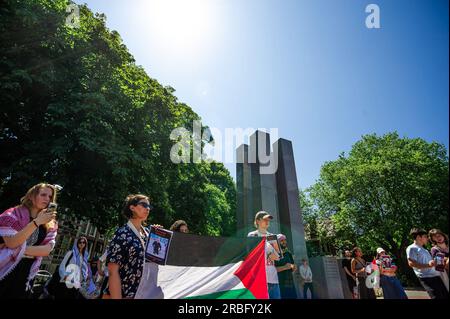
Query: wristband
x=34, y=222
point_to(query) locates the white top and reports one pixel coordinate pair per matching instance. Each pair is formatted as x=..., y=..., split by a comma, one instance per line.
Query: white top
x=72, y=271
x=271, y=270
x=422, y=256
x=306, y=273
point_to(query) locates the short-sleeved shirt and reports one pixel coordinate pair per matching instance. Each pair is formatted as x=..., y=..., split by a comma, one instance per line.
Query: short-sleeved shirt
x=421, y=256
x=271, y=271
x=125, y=250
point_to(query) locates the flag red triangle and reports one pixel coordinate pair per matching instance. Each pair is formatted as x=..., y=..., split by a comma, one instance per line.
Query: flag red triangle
x=252, y=272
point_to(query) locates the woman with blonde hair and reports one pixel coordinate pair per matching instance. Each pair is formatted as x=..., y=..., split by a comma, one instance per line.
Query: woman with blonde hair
x=27, y=234
x=358, y=267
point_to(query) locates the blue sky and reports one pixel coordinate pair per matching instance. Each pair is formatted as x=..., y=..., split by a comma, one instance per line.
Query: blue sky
x=309, y=68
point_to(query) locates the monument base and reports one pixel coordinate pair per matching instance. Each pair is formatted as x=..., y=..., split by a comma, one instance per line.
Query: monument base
x=327, y=278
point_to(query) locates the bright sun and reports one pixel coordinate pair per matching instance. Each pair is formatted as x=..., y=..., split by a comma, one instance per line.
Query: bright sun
x=177, y=25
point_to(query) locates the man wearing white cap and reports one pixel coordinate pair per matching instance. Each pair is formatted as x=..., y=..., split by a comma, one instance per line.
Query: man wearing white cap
x=262, y=223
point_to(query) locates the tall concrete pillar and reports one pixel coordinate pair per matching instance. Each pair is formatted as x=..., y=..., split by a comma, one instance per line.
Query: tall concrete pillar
x=263, y=185
x=277, y=193
x=288, y=199
x=244, y=200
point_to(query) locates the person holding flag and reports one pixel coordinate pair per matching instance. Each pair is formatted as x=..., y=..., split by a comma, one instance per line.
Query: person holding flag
x=262, y=223
x=373, y=277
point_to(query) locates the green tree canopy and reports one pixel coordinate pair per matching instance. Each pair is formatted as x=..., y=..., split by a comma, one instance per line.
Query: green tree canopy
x=374, y=195
x=78, y=111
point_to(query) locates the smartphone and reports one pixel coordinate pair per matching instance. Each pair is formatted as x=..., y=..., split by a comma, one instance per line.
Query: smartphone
x=52, y=207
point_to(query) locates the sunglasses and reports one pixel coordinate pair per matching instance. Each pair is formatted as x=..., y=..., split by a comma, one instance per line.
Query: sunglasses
x=82, y=242
x=145, y=205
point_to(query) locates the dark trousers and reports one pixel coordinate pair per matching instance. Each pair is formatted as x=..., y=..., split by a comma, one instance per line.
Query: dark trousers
x=363, y=291
x=13, y=285
x=103, y=287
x=306, y=286
x=392, y=288
x=351, y=284
x=435, y=287
x=288, y=292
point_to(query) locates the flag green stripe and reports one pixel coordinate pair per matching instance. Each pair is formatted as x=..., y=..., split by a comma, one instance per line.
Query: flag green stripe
x=228, y=294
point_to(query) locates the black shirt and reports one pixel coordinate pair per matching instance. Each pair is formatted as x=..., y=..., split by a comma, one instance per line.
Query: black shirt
x=347, y=263
x=13, y=285
x=285, y=276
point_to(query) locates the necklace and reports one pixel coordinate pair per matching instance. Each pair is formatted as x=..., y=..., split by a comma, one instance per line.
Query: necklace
x=141, y=234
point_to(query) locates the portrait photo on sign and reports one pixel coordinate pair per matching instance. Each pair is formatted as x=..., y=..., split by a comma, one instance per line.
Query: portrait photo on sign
x=273, y=240
x=158, y=245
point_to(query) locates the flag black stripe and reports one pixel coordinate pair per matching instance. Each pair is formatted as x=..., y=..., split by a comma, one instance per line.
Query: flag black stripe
x=194, y=250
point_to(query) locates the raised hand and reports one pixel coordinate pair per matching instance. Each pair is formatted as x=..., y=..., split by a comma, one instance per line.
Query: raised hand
x=44, y=217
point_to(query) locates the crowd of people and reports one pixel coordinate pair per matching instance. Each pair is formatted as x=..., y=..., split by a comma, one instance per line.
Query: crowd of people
x=28, y=233
x=430, y=267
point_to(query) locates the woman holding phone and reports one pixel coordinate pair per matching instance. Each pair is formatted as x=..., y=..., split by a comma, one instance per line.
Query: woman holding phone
x=27, y=234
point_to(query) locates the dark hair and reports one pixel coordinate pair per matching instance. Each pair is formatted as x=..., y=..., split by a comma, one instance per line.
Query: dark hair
x=177, y=225
x=436, y=231
x=132, y=199
x=354, y=250
x=417, y=232
x=85, y=245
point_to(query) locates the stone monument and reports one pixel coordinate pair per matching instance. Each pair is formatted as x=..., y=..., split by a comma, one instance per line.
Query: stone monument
x=267, y=180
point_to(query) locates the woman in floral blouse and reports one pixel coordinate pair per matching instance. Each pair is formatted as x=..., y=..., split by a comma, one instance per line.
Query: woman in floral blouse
x=126, y=251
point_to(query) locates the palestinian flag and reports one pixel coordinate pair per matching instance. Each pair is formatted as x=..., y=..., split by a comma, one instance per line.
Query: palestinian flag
x=200, y=267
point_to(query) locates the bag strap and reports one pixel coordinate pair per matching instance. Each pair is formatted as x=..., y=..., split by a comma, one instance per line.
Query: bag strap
x=68, y=259
x=359, y=261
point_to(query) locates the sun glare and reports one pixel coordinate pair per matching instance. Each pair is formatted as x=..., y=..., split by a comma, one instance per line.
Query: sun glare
x=177, y=26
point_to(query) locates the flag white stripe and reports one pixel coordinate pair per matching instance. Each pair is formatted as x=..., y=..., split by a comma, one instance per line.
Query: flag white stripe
x=176, y=282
